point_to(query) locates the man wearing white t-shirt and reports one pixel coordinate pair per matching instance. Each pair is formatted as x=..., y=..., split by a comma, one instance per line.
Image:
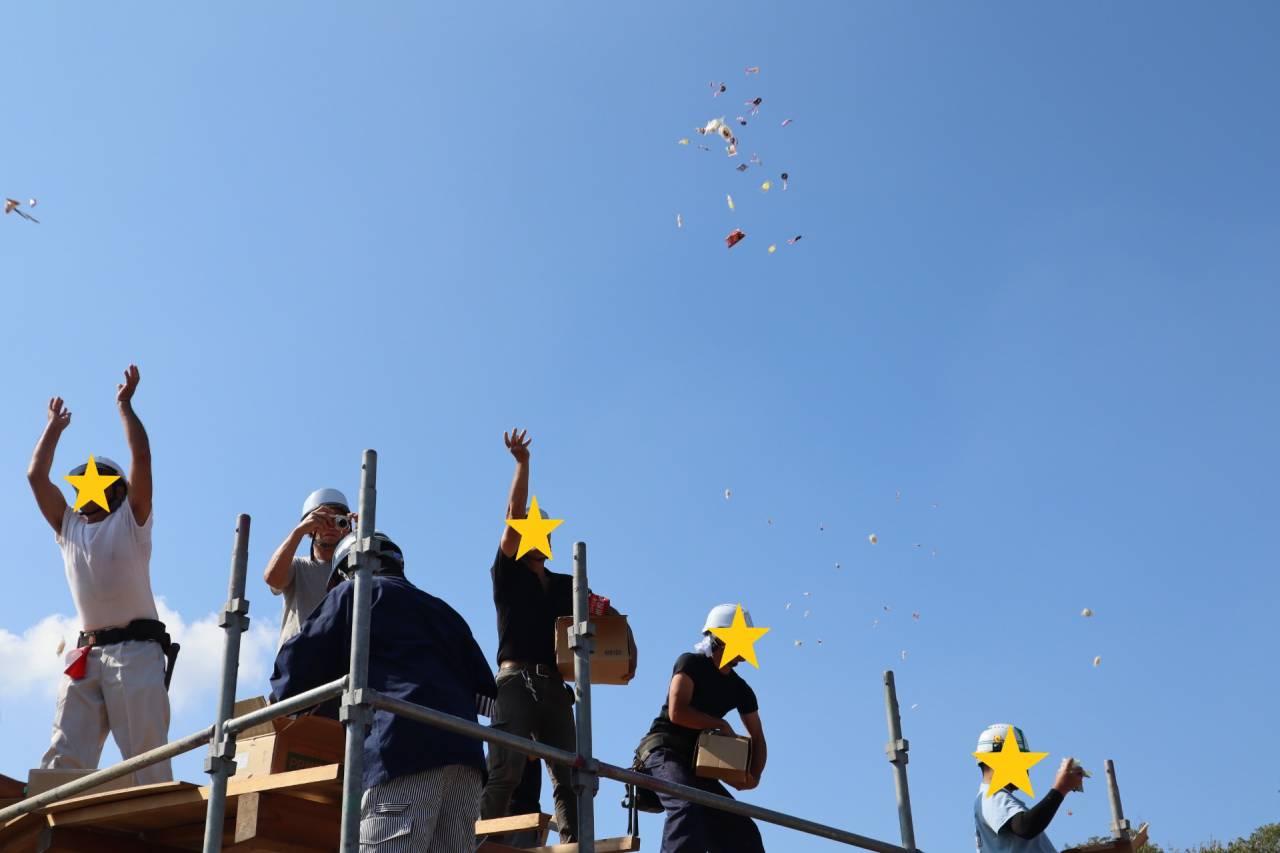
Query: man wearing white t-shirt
x=116, y=679
x=303, y=581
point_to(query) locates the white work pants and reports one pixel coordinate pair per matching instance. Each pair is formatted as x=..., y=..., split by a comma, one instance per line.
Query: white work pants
x=122, y=692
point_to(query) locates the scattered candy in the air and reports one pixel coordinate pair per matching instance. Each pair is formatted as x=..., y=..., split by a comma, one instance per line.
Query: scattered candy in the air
x=886, y=607
x=806, y=614
x=741, y=167
x=904, y=654
x=753, y=69
x=712, y=126
x=704, y=148
x=788, y=607
x=915, y=615
x=837, y=565
x=873, y=539
x=755, y=103
x=768, y=521
x=734, y=238
x=773, y=247
x=875, y=623
x=62, y=645
x=765, y=186
x=898, y=495
x=784, y=181
x=917, y=705
x=820, y=527
x=786, y=121
x=728, y=493
x=806, y=595
x=799, y=644
x=1097, y=661
x=718, y=89
x=729, y=199
x=725, y=133
x=679, y=221
x=794, y=240
x=31, y=202
x=742, y=121
x=684, y=141
x=819, y=641
x=1086, y=613
x=755, y=159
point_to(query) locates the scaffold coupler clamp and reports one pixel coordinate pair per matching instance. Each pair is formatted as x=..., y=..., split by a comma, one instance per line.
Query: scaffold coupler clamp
x=1120, y=829
x=235, y=615
x=897, y=751
x=222, y=757
x=356, y=708
x=581, y=636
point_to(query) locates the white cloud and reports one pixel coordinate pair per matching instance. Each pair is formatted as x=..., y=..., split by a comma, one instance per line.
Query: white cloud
x=34, y=667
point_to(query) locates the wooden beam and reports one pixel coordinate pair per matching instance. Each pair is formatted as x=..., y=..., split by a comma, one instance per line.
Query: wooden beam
x=80, y=839
x=188, y=836
x=279, y=818
x=119, y=794
x=624, y=844
x=513, y=823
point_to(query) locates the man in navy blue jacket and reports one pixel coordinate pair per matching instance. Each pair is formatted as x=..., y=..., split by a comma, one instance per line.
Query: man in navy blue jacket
x=422, y=784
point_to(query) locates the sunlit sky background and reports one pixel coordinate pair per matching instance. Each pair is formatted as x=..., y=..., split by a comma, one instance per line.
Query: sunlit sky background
x=1036, y=295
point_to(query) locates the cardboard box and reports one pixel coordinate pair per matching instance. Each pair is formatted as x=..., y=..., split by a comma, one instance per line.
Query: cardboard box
x=39, y=781
x=285, y=744
x=611, y=659
x=723, y=757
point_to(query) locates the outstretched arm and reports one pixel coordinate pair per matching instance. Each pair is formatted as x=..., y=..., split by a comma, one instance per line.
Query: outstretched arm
x=139, y=448
x=518, y=443
x=48, y=496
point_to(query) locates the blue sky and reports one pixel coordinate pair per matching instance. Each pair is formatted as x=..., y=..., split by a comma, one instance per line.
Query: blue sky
x=1036, y=287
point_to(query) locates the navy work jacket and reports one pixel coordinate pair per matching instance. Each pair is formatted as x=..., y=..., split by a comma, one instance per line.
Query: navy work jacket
x=420, y=650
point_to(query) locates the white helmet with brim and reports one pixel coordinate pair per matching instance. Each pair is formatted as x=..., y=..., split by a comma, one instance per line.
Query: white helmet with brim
x=993, y=736
x=324, y=497
x=104, y=464
x=721, y=616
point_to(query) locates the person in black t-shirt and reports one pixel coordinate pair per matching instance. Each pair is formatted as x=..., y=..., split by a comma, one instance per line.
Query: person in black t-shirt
x=533, y=700
x=703, y=689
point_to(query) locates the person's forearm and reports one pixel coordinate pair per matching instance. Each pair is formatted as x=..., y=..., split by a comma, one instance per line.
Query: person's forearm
x=759, y=756
x=134, y=433
x=278, y=565
x=1035, y=820
x=692, y=718
x=519, y=495
x=42, y=456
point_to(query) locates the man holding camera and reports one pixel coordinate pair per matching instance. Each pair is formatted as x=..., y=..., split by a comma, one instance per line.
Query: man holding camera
x=326, y=518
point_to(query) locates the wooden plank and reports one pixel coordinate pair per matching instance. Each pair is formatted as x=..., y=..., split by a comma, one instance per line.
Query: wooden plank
x=282, y=819
x=495, y=847
x=81, y=839
x=624, y=844
x=113, y=796
x=310, y=776
x=188, y=836
x=513, y=823
x=20, y=833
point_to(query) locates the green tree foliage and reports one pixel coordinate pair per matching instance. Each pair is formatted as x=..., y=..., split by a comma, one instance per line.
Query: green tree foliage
x=1265, y=839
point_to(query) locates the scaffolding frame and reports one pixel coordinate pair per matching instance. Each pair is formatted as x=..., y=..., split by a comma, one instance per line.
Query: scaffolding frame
x=359, y=701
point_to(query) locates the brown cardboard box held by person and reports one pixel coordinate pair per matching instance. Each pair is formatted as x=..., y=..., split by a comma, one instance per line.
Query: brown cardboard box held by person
x=611, y=659
x=723, y=757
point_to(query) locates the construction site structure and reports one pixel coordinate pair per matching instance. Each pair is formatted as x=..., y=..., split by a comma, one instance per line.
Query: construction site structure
x=318, y=808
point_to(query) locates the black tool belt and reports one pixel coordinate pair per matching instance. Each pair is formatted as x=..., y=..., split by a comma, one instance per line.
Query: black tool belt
x=141, y=630
x=542, y=669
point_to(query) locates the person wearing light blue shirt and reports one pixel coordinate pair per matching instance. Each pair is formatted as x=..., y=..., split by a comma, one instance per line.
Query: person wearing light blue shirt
x=1003, y=822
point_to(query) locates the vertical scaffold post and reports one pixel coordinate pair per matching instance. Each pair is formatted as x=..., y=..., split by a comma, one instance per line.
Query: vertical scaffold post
x=355, y=713
x=220, y=763
x=581, y=640
x=1119, y=826
x=897, y=752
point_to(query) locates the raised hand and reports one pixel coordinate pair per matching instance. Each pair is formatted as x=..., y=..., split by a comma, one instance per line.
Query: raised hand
x=59, y=416
x=124, y=391
x=518, y=443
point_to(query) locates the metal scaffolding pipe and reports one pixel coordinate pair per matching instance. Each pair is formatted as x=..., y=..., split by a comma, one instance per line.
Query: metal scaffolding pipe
x=448, y=722
x=220, y=764
x=292, y=705
x=356, y=715
x=115, y=771
x=1119, y=826
x=897, y=752
x=582, y=641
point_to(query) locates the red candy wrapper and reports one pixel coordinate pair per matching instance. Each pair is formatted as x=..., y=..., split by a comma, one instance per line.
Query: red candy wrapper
x=733, y=239
x=77, y=662
x=597, y=605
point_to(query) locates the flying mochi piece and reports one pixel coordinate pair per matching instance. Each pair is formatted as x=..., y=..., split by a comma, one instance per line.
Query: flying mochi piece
x=1097, y=661
x=728, y=198
x=873, y=539
x=773, y=247
x=1086, y=613
x=679, y=221
x=728, y=493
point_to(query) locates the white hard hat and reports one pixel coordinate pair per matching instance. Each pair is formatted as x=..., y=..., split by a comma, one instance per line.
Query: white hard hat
x=392, y=561
x=721, y=616
x=321, y=497
x=992, y=738
x=100, y=462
